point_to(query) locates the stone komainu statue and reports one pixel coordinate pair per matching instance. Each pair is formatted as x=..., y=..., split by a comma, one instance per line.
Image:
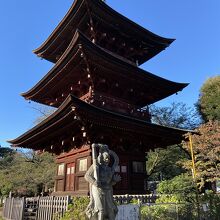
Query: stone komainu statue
x=101, y=178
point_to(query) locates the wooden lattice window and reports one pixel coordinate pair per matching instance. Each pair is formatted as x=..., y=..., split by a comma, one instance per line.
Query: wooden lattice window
x=137, y=167
x=60, y=169
x=83, y=165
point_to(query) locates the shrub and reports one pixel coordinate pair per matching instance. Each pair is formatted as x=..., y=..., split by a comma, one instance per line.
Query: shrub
x=155, y=212
x=76, y=209
x=212, y=203
x=180, y=189
x=177, y=199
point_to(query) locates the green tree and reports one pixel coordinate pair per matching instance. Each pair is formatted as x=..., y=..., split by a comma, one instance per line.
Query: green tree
x=36, y=172
x=209, y=100
x=5, y=151
x=27, y=174
x=6, y=160
x=163, y=164
x=6, y=156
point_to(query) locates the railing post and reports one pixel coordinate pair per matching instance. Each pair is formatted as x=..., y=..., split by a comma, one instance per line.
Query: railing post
x=4, y=208
x=68, y=201
x=22, y=209
x=38, y=205
x=11, y=208
x=52, y=206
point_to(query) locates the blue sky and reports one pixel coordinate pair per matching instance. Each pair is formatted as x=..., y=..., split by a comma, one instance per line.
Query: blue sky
x=25, y=24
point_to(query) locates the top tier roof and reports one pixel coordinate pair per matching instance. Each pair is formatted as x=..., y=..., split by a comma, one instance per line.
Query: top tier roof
x=107, y=28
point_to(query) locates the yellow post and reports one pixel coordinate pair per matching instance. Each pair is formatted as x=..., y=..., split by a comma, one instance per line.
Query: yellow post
x=194, y=175
x=192, y=156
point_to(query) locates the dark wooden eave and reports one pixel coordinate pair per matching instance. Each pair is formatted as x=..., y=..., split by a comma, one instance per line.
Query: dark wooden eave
x=82, y=55
x=74, y=112
x=96, y=15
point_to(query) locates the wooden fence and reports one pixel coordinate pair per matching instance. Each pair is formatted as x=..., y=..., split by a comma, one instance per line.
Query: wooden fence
x=13, y=208
x=36, y=208
x=53, y=207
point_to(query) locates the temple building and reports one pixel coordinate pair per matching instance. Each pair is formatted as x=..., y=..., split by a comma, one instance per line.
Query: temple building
x=101, y=96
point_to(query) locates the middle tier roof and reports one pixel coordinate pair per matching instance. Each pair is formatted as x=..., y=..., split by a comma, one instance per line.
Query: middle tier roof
x=85, y=66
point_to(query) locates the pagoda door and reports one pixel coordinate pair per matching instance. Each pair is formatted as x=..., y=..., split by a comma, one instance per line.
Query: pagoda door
x=70, y=170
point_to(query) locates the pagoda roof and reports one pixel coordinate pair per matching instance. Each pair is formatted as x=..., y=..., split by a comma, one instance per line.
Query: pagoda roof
x=83, y=12
x=149, y=88
x=73, y=111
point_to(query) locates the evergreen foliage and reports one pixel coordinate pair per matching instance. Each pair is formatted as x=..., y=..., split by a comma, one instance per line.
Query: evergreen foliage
x=179, y=200
x=177, y=197
x=180, y=189
x=209, y=100
x=163, y=164
x=26, y=174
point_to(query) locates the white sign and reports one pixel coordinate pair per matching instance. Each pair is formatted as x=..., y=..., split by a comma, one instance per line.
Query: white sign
x=128, y=212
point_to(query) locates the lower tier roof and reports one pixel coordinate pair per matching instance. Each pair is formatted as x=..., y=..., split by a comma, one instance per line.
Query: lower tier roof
x=68, y=120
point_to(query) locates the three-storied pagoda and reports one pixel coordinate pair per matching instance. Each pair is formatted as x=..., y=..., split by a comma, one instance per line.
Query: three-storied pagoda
x=101, y=96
